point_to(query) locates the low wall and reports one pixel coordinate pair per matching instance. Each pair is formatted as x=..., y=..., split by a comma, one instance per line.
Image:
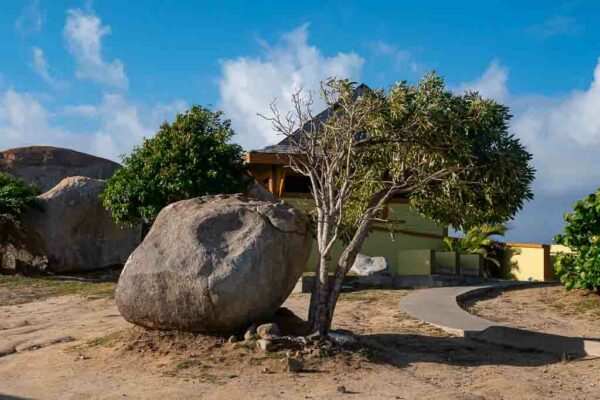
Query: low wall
x=446, y=262
x=470, y=264
x=527, y=262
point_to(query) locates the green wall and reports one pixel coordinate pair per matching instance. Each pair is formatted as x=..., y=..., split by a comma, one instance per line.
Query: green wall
x=386, y=244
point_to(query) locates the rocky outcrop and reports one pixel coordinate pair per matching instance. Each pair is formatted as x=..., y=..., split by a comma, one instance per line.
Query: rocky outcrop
x=45, y=166
x=214, y=264
x=19, y=252
x=369, y=266
x=74, y=230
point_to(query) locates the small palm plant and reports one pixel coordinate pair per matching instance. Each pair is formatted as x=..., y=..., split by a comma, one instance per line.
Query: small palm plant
x=478, y=240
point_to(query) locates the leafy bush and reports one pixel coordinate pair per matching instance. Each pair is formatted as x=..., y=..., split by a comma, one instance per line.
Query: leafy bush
x=15, y=194
x=581, y=268
x=189, y=158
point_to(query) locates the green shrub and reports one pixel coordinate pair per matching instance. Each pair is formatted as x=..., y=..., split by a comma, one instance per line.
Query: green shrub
x=15, y=194
x=189, y=158
x=581, y=269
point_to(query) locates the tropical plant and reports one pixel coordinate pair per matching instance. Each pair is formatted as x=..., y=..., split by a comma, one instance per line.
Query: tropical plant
x=581, y=268
x=450, y=155
x=15, y=194
x=478, y=240
x=190, y=157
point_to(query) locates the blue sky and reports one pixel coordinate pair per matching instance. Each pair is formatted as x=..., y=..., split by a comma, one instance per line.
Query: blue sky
x=99, y=76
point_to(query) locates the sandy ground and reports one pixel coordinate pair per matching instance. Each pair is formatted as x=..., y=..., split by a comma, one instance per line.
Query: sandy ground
x=73, y=347
x=546, y=309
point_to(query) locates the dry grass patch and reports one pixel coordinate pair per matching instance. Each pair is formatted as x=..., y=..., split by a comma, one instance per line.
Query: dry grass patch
x=16, y=289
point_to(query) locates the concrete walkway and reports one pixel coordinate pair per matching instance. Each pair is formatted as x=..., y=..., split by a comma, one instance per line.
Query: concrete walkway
x=439, y=307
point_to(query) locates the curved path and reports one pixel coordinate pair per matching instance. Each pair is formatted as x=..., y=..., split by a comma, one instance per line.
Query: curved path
x=439, y=307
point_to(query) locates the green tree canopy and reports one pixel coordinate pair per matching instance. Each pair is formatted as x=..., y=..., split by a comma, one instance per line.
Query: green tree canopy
x=15, y=194
x=450, y=154
x=581, y=269
x=188, y=158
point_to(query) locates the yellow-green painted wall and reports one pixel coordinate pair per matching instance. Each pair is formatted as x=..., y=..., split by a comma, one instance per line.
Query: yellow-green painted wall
x=392, y=246
x=445, y=262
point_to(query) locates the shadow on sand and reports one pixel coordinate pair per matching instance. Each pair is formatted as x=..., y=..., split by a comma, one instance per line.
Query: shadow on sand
x=401, y=350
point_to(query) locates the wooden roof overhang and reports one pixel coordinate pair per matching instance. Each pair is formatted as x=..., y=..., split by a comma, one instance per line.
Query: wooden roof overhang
x=255, y=157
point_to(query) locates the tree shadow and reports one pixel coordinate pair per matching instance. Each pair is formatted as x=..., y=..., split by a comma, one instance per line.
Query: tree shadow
x=9, y=397
x=402, y=350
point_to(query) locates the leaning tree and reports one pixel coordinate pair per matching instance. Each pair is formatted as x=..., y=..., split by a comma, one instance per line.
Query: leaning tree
x=450, y=155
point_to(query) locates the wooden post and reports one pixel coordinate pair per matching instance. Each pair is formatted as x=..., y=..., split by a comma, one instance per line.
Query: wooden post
x=282, y=182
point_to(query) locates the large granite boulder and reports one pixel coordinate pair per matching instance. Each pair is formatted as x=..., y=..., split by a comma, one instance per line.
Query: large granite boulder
x=74, y=230
x=214, y=264
x=45, y=166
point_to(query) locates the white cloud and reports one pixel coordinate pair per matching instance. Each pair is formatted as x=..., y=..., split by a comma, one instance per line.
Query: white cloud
x=31, y=18
x=83, y=34
x=249, y=85
x=555, y=26
x=123, y=124
x=40, y=66
x=402, y=59
x=24, y=121
x=120, y=124
x=492, y=84
x=564, y=135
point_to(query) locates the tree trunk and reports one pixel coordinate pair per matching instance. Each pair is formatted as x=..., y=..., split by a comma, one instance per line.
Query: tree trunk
x=318, y=312
x=318, y=295
x=348, y=257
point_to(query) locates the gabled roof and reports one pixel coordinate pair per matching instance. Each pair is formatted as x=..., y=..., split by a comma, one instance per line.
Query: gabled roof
x=285, y=147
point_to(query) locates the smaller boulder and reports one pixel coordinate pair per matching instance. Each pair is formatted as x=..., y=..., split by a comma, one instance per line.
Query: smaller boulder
x=265, y=345
x=250, y=333
x=75, y=231
x=268, y=331
x=232, y=339
x=369, y=266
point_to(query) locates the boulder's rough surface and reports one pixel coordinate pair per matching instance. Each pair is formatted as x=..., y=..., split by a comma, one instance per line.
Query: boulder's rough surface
x=45, y=166
x=19, y=252
x=214, y=264
x=368, y=266
x=75, y=231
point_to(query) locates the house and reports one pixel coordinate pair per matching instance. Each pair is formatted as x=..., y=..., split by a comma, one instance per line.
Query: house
x=408, y=240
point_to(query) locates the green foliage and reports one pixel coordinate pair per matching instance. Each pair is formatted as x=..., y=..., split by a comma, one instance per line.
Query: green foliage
x=15, y=194
x=581, y=269
x=478, y=240
x=189, y=158
x=450, y=154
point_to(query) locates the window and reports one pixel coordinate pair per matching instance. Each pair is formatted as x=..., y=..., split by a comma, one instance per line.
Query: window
x=296, y=184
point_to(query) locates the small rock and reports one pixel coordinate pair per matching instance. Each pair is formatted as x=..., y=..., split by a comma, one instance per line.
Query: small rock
x=265, y=345
x=232, y=339
x=313, y=337
x=268, y=331
x=292, y=364
x=341, y=389
x=342, y=338
x=250, y=333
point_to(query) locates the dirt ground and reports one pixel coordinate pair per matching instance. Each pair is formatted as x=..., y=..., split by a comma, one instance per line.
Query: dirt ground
x=546, y=309
x=71, y=343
